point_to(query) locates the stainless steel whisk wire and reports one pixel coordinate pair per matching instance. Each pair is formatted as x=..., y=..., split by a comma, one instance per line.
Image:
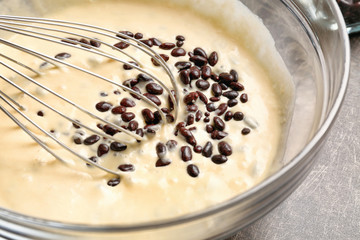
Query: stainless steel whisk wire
x=24, y=26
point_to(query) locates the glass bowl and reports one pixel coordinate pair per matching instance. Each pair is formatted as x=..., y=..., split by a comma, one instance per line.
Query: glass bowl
x=312, y=39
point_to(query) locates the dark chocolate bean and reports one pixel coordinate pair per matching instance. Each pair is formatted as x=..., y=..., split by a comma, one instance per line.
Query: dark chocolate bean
x=153, y=98
x=133, y=125
x=207, y=119
x=198, y=116
x=186, y=154
x=118, y=110
x=205, y=72
x=128, y=66
x=91, y=140
x=127, y=102
x=127, y=116
x=148, y=116
x=194, y=73
x=185, y=76
x=193, y=170
x=139, y=132
x=200, y=52
x=231, y=94
x=209, y=128
x=154, y=88
x=102, y=149
x=118, y=147
x=232, y=102
x=244, y=98
x=77, y=140
x=228, y=116
x=207, y=150
x=236, y=86
x=207, y=114
x=109, y=130
x=226, y=78
x=202, y=97
x=162, y=162
x=221, y=109
x=213, y=59
x=103, y=106
x=160, y=150
x=180, y=38
x=113, y=182
x=235, y=75
x=121, y=45
x=198, y=60
x=40, y=113
x=126, y=167
x=202, y=84
x=167, y=46
x=182, y=65
x=216, y=89
x=190, y=119
x=157, y=117
x=224, y=148
x=141, y=77
x=238, y=116
x=139, y=36
x=245, y=131
x=219, y=124
x=62, y=56
x=214, y=99
x=191, y=98
x=178, y=52
x=219, y=159
x=103, y=94
x=210, y=107
x=95, y=43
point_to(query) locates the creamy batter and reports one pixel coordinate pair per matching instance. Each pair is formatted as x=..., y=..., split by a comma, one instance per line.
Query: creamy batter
x=33, y=182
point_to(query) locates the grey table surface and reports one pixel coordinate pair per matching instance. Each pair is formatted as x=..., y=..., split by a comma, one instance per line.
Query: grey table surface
x=327, y=204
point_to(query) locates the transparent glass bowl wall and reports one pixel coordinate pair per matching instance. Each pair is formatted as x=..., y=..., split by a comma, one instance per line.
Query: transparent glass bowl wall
x=311, y=37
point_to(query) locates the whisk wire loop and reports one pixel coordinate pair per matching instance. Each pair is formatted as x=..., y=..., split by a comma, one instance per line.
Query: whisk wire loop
x=45, y=29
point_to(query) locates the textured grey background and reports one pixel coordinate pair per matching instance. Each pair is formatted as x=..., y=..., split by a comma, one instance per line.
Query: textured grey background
x=327, y=204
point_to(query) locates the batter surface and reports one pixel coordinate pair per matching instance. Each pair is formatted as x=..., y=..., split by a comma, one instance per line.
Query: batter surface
x=167, y=174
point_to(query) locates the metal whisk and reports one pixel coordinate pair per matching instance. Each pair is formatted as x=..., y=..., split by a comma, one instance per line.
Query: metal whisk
x=51, y=31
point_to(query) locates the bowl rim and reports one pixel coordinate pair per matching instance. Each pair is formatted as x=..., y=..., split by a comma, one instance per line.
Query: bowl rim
x=319, y=137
